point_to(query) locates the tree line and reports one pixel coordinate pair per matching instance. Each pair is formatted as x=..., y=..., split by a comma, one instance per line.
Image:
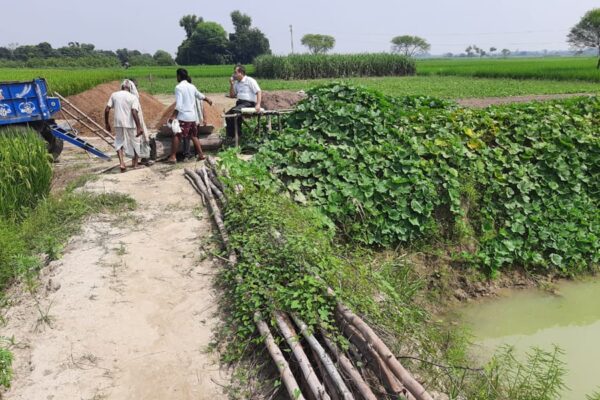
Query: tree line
x=78, y=54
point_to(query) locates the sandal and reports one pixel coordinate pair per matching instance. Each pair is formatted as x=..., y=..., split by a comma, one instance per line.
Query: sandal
x=123, y=169
x=172, y=162
x=200, y=158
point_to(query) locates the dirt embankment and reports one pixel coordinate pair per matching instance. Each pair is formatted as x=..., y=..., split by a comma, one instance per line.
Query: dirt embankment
x=281, y=99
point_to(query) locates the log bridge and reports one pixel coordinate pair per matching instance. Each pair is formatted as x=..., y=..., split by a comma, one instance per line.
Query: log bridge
x=321, y=370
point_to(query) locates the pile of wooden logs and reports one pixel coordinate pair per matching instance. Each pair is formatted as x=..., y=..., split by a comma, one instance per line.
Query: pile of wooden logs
x=321, y=370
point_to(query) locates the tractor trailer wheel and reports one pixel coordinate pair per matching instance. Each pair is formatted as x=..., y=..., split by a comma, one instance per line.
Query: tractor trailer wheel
x=53, y=144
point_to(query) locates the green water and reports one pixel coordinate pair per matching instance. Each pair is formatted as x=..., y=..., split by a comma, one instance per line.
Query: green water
x=529, y=318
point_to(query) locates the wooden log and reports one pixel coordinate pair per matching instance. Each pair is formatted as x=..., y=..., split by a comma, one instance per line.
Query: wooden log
x=312, y=380
x=282, y=365
x=216, y=191
x=325, y=359
x=327, y=381
x=195, y=186
x=413, y=386
x=164, y=144
x=214, y=208
x=376, y=364
x=349, y=369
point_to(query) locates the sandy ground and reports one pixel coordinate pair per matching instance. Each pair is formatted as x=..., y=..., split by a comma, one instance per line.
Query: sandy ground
x=130, y=306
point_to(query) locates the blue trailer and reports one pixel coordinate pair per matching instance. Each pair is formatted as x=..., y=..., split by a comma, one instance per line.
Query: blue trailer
x=27, y=104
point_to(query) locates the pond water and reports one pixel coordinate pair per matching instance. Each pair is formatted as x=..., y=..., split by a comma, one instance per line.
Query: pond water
x=527, y=318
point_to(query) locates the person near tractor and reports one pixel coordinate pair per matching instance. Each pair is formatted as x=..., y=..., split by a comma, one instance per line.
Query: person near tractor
x=248, y=94
x=186, y=113
x=126, y=123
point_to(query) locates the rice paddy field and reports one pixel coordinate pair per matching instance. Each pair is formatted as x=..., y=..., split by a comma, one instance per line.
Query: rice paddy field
x=553, y=68
x=447, y=78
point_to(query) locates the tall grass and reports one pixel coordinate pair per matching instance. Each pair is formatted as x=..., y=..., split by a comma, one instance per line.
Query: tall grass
x=333, y=66
x=25, y=171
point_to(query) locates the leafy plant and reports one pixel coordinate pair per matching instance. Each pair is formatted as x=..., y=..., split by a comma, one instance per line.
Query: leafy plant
x=6, y=371
x=519, y=183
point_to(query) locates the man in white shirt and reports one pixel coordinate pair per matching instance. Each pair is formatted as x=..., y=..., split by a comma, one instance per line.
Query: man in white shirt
x=186, y=113
x=126, y=122
x=248, y=94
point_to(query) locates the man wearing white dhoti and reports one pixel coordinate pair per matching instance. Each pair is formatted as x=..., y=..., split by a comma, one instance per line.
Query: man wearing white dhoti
x=126, y=122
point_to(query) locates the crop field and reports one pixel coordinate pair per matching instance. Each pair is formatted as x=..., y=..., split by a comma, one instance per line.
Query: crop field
x=450, y=87
x=446, y=78
x=556, y=68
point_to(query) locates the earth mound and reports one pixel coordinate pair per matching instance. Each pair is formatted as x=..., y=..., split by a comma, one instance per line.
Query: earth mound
x=92, y=102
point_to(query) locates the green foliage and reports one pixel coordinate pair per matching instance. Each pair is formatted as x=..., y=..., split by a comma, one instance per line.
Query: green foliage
x=394, y=171
x=6, y=371
x=410, y=45
x=333, y=66
x=283, y=249
x=246, y=43
x=189, y=23
x=318, y=44
x=25, y=171
x=539, y=377
x=207, y=45
x=548, y=68
x=586, y=33
x=163, y=58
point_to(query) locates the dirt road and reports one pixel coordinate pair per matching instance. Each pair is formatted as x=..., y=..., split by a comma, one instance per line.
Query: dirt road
x=127, y=312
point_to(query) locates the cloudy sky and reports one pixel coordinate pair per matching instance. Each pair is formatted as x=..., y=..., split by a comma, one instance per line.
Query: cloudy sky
x=366, y=26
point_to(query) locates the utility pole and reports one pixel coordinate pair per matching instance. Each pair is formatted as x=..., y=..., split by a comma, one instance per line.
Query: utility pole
x=292, y=38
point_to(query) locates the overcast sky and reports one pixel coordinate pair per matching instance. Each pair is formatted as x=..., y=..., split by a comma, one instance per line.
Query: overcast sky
x=365, y=26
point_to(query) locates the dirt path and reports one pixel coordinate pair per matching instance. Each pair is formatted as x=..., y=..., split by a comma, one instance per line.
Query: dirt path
x=130, y=303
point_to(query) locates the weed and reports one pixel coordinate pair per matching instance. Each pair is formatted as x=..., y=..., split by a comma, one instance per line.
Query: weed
x=6, y=372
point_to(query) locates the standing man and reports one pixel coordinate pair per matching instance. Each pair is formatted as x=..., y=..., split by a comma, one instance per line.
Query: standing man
x=248, y=94
x=126, y=123
x=186, y=113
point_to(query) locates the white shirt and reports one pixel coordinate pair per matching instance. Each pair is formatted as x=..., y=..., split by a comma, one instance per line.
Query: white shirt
x=185, y=101
x=246, y=89
x=123, y=102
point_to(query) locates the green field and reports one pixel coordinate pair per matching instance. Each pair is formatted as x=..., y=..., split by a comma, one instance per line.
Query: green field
x=450, y=87
x=556, y=68
x=447, y=78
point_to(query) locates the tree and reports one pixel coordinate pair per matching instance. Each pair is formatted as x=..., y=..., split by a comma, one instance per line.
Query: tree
x=586, y=34
x=240, y=21
x=492, y=50
x=123, y=55
x=207, y=45
x=505, y=52
x=45, y=50
x=189, y=24
x=246, y=43
x=161, y=57
x=410, y=45
x=5, y=53
x=318, y=44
